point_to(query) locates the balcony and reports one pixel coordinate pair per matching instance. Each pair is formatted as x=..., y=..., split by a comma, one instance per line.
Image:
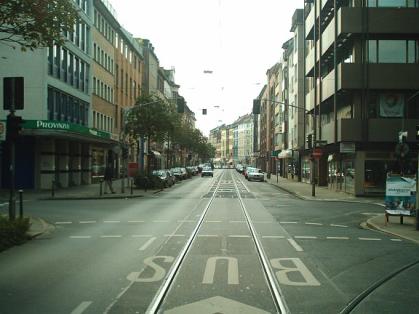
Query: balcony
x=387, y=130
x=389, y=76
x=402, y=21
x=310, y=100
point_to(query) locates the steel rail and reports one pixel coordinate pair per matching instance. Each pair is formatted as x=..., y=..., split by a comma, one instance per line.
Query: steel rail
x=167, y=281
x=269, y=273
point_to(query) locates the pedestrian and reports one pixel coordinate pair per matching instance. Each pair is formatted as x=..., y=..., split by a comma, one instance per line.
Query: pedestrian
x=108, y=178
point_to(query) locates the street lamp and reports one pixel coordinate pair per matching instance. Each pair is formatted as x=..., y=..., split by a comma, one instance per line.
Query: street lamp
x=256, y=105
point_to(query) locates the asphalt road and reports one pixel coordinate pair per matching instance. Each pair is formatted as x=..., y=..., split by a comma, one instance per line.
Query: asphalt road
x=112, y=256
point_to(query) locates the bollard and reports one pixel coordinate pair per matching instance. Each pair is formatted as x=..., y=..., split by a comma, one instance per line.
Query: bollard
x=132, y=186
x=101, y=188
x=52, y=188
x=20, y=204
x=122, y=186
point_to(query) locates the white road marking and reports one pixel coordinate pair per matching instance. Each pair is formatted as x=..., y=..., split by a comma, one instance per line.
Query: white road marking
x=369, y=239
x=236, y=221
x=87, y=221
x=232, y=270
x=111, y=221
x=264, y=222
x=80, y=237
x=341, y=226
x=305, y=237
x=273, y=237
x=396, y=240
x=288, y=222
x=284, y=270
x=295, y=245
x=111, y=236
x=160, y=221
x=337, y=238
x=213, y=221
x=186, y=221
x=239, y=236
x=208, y=235
x=141, y=235
x=314, y=223
x=135, y=221
x=82, y=307
x=63, y=222
x=174, y=235
x=147, y=244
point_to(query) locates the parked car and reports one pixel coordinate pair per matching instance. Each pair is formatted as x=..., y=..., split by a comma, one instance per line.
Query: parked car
x=207, y=172
x=185, y=173
x=171, y=177
x=178, y=174
x=246, y=172
x=162, y=174
x=239, y=168
x=255, y=174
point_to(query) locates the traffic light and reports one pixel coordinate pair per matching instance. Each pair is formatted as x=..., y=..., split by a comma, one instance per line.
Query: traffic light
x=125, y=152
x=309, y=141
x=13, y=88
x=256, y=106
x=13, y=127
x=204, y=111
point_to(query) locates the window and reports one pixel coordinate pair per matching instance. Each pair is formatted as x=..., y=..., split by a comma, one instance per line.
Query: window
x=392, y=51
x=94, y=51
x=117, y=75
x=94, y=85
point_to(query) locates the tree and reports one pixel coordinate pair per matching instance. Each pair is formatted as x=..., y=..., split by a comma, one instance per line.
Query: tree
x=33, y=24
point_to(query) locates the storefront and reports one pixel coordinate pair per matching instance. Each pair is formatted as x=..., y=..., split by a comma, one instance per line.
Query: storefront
x=59, y=153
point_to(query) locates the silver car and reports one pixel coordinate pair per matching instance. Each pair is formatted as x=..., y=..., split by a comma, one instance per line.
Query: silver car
x=255, y=174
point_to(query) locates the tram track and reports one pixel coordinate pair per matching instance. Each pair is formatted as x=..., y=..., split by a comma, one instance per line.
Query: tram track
x=223, y=185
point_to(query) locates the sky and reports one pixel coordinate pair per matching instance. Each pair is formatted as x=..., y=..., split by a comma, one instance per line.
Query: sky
x=236, y=40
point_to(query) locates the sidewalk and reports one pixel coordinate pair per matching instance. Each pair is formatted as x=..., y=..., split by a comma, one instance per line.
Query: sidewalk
x=82, y=192
x=303, y=191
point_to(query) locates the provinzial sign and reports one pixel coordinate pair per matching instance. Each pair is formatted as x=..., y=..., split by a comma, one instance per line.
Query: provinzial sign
x=64, y=126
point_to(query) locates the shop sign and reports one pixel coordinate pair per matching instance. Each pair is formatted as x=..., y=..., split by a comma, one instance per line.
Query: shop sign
x=64, y=126
x=347, y=148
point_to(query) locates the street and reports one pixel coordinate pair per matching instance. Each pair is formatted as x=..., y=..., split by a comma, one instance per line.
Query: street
x=113, y=256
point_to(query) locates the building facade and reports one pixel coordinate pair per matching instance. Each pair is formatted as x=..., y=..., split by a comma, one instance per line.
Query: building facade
x=362, y=73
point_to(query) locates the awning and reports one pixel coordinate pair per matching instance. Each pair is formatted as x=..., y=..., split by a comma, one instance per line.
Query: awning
x=285, y=154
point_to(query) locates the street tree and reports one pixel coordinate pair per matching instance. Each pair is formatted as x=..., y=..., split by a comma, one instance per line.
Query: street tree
x=33, y=24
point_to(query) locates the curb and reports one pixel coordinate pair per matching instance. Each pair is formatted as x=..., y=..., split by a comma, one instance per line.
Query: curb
x=45, y=227
x=89, y=198
x=305, y=198
x=373, y=226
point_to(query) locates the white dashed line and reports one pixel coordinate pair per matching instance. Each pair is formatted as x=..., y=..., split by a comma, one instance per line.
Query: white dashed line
x=314, y=223
x=273, y=237
x=295, y=245
x=216, y=221
x=111, y=221
x=158, y=221
x=63, y=222
x=147, y=244
x=264, y=222
x=135, y=221
x=337, y=238
x=208, y=235
x=174, y=235
x=305, y=237
x=237, y=221
x=369, y=239
x=396, y=240
x=111, y=236
x=87, y=221
x=288, y=222
x=186, y=221
x=81, y=308
x=340, y=226
x=239, y=236
x=80, y=237
x=141, y=236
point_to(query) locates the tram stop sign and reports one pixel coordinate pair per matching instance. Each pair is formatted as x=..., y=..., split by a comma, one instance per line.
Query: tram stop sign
x=317, y=153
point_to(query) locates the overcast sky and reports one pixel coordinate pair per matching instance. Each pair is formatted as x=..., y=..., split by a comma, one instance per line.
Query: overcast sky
x=238, y=40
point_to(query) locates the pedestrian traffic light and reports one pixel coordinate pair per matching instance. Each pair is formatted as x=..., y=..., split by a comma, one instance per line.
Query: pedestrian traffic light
x=13, y=127
x=309, y=141
x=13, y=88
x=204, y=111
